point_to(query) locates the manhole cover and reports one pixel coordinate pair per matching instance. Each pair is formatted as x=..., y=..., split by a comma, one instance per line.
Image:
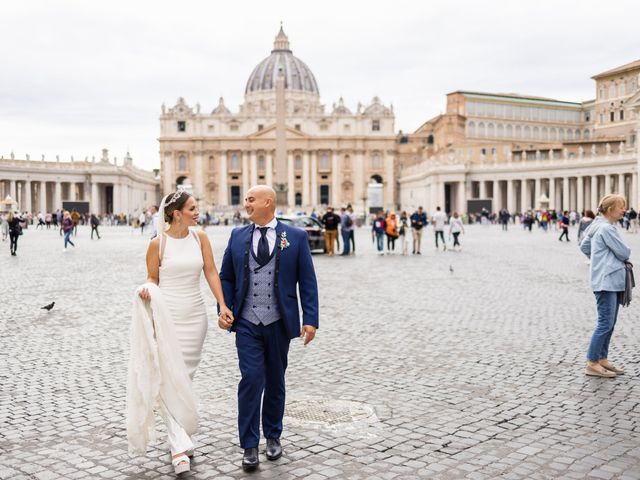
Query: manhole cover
x=330, y=412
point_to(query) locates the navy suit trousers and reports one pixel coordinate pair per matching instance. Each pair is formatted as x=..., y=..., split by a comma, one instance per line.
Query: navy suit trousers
x=262, y=354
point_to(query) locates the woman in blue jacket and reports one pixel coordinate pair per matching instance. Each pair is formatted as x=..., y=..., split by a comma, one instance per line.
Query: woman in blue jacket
x=603, y=245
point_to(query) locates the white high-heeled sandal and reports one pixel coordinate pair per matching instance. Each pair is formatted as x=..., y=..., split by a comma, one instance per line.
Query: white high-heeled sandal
x=181, y=464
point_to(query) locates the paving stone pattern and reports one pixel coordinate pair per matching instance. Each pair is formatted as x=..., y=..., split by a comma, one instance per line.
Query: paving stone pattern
x=475, y=373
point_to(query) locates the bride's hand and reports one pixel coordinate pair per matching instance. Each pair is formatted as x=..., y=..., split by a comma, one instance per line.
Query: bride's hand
x=225, y=318
x=144, y=294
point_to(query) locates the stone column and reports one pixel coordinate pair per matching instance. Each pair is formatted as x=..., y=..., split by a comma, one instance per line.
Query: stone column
x=291, y=180
x=198, y=173
x=254, y=168
x=594, y=193
x=223, y=194
x=314, y=179
x=358, y=179
x=269, y=166
x=461, y=206
x=552, y=193
x=117, y=199
x=496, y=196
x=245, y=173
x=634, y=190
x=621, y=187
x=607, y=184
x=336, y=194
x=168, y=173
x=389, y=182
x=27, y=196
x=95, y=198
x=511, y=204
x=13, y=190
x=566, y=201
x=524, y=195
x=42, y=197
x=57, y=196
x=536, y=193
x=306, y=170
x=483, y=189
x=580, y=194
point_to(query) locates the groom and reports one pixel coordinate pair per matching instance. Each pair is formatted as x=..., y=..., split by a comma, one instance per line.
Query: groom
x=261, y=268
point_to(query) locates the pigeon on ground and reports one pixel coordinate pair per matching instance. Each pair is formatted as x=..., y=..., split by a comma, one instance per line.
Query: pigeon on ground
x=450, y=268
x=48, y=307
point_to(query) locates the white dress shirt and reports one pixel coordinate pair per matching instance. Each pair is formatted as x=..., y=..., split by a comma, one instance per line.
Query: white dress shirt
x=271, y=236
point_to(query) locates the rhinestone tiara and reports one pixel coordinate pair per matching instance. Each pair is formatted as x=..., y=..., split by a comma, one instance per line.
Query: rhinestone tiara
x=175, y=197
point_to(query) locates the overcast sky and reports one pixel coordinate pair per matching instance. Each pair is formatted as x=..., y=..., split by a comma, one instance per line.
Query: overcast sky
x=77, y=76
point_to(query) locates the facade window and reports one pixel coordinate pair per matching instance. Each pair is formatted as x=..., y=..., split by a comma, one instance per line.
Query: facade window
x=233, y=127
x=347, y=128
x=235, y=195
x=298, y=199
x=375, y=161
x=182, y=163
x=297, y=127
x=587, y=117
x=324, y=127
x=493, y=150
x=601, y=119
x=212, y=164
x=182, y=126
x=211, y=128
x=260, y=126
x=612, y=116
x=324, y=161
x=235, y=162
x=491, y=131
x=347, y=162
x=298, y=162
x=621, y=114
x=430, y=140
x=471, y=129
x=483, y=151
x=324, y=194
x=261, y=163
x=481, y=132
x=375, y=125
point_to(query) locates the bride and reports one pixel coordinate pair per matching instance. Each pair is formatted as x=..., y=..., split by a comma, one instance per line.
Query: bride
x=175, y=260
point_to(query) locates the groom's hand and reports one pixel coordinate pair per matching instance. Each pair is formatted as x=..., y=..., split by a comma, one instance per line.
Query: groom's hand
x=307, y=333
x=225, y=319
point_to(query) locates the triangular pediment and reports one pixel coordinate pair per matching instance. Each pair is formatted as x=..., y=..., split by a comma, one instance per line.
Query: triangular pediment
x=270, y=133
x=634, y=101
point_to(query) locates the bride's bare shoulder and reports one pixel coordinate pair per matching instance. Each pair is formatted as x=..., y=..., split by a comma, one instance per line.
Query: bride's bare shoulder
x=202, y=235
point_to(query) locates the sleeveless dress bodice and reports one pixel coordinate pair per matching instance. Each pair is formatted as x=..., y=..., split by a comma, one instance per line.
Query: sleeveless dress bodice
x=180, y=272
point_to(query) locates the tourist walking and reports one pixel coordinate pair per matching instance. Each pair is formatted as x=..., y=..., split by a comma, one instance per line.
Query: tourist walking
x=418, y=222
x=564, y=225
x=67, y=227
x=633, y=219
x=391, y=230
x=15, y=230
x=176, y=259
x=75, y=217
x=378, y=227
x=95, y=222
x=504, y=218
x=142, y=220
x=455, y=229
x=41, y=222
x=330, y=220
x=154, y=221
x=439, y=220
x=604, y=246
x=47, y=219
x=352, y=236
x=4, y=227
x=346, y=227
x=403, y=232
x=584, y=223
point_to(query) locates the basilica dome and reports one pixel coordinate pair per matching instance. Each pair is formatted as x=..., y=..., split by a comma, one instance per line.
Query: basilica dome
x=297, y=76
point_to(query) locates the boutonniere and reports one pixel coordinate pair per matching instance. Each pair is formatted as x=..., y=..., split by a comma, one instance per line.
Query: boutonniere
x=284, y=243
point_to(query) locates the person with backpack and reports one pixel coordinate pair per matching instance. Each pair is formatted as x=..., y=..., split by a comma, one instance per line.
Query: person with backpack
x=330, y=220
x=346, y=227
x=564, y=225
x=94, y=225
x=418, y=221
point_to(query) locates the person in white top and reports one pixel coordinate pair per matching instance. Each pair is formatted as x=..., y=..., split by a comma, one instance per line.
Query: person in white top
x=439, y=220
x=154, y=221
x=176, y=260
x=455, y=229
x=142, y=219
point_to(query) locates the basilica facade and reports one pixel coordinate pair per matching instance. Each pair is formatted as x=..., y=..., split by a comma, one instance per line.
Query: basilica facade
x=330, y=156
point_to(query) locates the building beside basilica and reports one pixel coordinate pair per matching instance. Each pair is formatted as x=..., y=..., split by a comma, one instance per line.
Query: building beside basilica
x=527, y=152
x=325, y=157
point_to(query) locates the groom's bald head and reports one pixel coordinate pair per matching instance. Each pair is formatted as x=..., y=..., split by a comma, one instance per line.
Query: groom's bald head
x=260, y=204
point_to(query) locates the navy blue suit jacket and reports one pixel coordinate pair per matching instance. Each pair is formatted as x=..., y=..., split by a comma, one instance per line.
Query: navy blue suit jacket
x=294, y=268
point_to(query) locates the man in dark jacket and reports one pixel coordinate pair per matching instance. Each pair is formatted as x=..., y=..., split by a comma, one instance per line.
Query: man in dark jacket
x=418, y=221
x=330, y=221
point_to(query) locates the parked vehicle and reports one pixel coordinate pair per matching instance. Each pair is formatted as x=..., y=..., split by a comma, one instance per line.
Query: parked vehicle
x=313, y=227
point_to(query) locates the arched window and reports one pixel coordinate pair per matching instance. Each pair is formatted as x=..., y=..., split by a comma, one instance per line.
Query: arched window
x=569, y=134
x=527, y=132
x=612, y=91
x=536, y=133
x=261, y=163
x=347, y=163
x=561, y=134
x=182, y=163
x=586, y=135
x=577, y=134
x=471, y=129
x=481, y=132
x=545, y=133
x=298, y=162
x=324, y=161
x=554, y=134
x=491, y=131
x=509, y=131
x=375, y=161
x=212, y=163
x=500, y=131
x=518, y=131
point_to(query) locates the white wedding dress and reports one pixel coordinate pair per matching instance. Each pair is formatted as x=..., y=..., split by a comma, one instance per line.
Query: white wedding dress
x=181, y=266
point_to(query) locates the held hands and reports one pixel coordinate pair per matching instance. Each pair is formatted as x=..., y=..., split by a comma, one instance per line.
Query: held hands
x=144, y=294
x=225, y=318
x=307, y=333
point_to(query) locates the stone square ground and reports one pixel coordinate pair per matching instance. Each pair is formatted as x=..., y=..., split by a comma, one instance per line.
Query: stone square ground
x=417, y=371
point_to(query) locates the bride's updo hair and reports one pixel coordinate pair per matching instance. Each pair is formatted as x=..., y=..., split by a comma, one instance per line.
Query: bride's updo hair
x=174, y=201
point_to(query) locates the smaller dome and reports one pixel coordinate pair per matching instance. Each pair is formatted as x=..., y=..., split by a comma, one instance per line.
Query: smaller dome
x=221, y=109
x=340, y=109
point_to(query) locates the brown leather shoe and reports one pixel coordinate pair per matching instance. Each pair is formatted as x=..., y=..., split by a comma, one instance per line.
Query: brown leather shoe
x=609, y=366
x=599, y=371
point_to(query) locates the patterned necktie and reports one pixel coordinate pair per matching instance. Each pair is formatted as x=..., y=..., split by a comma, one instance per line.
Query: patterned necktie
x=263, y=246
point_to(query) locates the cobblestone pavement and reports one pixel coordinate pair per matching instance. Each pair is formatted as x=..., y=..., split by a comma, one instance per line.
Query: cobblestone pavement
x=416, y=372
